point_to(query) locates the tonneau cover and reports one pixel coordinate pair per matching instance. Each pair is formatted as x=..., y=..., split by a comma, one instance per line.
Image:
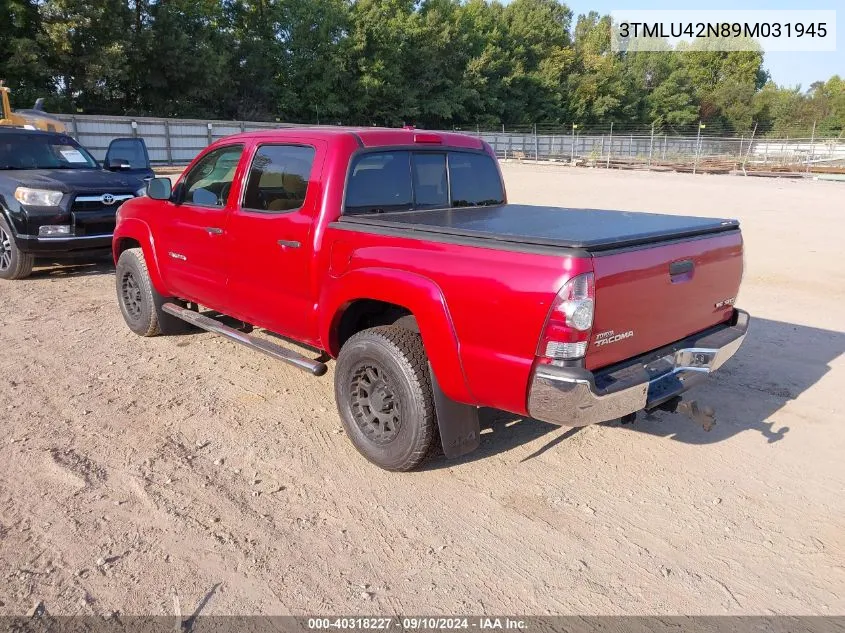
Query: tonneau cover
x=585, y=229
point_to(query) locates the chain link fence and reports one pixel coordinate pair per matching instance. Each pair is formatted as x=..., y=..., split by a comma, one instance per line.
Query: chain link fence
x=689, y=149
x=685, y=149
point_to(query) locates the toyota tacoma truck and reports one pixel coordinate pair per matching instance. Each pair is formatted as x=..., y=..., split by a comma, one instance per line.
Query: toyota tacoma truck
x=56, y=201
x=396, y=253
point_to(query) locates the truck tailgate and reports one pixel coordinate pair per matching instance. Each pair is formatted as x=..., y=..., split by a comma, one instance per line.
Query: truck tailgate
x=650, y=297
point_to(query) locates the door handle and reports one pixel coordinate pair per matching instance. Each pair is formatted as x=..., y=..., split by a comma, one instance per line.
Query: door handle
x=213, y=230
x=289, y=244
x=681, y=267
x=681, y=271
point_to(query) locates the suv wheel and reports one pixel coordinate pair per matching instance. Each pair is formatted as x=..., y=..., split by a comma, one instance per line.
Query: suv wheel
x=383, y=391
x=13, y=263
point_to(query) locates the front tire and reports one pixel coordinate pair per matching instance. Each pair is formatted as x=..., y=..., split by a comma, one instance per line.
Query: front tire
x=140, y=303
x=14, y=264
x=383, y=392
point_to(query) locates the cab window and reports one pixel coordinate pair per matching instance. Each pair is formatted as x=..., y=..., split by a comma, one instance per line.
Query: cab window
x=209, y=182
x=474, y=180
x=431, y=185
x=380, y=182
x=278, y=178
x=400, y=180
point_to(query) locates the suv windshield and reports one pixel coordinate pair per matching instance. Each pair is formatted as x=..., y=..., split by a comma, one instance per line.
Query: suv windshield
x=42, y=151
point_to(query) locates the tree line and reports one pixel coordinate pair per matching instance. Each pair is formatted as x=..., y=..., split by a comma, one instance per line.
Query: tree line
x=433, y=63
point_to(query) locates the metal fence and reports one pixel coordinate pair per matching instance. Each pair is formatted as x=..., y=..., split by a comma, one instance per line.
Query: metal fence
x=169, y=141
x=679, y=153
x=177, y=141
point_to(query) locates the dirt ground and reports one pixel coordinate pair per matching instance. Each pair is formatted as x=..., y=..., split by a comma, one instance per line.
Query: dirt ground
x=142, y=476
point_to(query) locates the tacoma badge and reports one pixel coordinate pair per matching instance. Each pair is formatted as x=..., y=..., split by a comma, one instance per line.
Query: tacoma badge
x=608, y=337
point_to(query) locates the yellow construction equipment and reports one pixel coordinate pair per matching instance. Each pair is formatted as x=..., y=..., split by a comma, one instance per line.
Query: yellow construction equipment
x=35, y=119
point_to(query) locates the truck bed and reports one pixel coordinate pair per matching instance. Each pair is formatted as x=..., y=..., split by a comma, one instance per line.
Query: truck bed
x=590, y=230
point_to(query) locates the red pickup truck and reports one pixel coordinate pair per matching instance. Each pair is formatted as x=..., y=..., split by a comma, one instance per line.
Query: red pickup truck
x=395, y=252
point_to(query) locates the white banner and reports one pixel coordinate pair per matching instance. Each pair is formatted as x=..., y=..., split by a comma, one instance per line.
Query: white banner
x=723, y=30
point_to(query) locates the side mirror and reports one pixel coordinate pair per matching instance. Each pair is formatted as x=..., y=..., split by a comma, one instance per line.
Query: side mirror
x=117, y=164
x=159, y=188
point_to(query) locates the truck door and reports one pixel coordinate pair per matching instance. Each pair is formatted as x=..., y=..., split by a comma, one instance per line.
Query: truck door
x=192, y=245
x=129, y=156
x=269, y=236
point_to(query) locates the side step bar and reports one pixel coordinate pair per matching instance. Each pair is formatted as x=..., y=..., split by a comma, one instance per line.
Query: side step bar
x=274, y=351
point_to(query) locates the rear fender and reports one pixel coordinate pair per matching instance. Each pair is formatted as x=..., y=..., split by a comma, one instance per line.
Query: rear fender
x=419, y=295
x=133, y=229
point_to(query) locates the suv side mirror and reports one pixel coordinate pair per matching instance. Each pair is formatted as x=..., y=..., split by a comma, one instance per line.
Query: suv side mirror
x=117, y=164
x=159, y=188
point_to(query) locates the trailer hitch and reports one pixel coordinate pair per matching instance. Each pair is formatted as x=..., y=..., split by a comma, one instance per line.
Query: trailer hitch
x=699, y=413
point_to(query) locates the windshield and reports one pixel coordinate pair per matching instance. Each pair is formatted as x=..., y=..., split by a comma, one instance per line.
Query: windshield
x=37, y=151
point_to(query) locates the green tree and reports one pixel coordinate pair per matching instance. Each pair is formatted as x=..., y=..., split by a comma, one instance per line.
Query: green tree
x=601, y=89
x=436, y=63
x=186, y=62
x=22, y=62
x=540, y=58
x=87, y=52
x=724, y=84
x=256, y=58
x=314, y=74
x=380, y=44
x=487, y=64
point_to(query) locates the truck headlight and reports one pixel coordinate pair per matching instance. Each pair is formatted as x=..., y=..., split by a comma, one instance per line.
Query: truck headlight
x=38, y=197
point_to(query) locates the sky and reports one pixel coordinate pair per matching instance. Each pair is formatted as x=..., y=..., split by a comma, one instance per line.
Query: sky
x=786, y=69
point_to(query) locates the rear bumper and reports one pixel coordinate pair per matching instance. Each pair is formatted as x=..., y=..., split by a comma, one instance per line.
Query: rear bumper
x=573, y=396
x=58, y=246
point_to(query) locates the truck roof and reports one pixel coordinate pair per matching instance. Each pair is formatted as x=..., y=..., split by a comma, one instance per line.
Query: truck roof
x=369, y=136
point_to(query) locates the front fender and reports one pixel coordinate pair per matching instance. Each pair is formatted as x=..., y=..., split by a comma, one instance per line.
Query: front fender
x=136, y=230
x=418, y=294
x=14, y=217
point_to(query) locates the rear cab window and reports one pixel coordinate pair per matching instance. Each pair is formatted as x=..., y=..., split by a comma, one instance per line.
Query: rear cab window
x=402, y=180
x=380, y=182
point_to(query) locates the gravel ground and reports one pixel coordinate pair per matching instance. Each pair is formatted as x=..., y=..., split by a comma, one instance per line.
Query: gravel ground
x=136, y=474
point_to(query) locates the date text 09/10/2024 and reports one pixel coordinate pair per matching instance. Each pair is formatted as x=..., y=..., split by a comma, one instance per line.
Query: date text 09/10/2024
x=417, y=623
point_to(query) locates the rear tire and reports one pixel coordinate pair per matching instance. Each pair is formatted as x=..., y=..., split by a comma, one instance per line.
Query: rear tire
x=383, y=392
x=14, y=264
x=140, y=303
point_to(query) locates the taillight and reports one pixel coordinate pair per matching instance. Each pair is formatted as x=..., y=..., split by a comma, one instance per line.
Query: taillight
x=570, y=321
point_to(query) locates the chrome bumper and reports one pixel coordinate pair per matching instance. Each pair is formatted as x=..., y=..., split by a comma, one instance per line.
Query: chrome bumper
x=573, y=396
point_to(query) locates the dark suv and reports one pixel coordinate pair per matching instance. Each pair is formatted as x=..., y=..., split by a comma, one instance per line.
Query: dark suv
x=55, y=198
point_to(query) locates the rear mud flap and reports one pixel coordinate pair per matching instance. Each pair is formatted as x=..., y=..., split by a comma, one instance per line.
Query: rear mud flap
x=460, y=430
